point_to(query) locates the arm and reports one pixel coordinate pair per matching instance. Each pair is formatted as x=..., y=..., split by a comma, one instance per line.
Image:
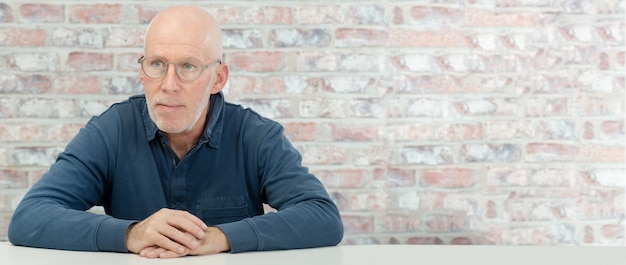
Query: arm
x=53, y=212
x=306, y=215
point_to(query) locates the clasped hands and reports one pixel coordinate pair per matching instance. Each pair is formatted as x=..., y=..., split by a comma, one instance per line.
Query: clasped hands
x=173, y=233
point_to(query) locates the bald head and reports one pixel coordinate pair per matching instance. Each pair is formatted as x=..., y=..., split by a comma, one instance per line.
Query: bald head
x=184, y=25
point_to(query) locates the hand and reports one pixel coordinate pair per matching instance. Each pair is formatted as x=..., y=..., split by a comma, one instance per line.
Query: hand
x=167, y=233
x=214, y=242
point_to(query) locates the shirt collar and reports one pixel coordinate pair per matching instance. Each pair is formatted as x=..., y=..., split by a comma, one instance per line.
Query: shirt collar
x=212, y=133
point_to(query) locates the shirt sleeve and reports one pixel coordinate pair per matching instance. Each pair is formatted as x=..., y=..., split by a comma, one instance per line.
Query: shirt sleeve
x=305, y=217
x=53, y=212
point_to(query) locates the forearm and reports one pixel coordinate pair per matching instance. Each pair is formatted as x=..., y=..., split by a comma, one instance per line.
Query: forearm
x=313, y=223
x=49, y=225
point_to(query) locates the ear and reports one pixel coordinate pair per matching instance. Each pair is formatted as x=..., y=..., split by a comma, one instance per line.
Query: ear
x=222, y=77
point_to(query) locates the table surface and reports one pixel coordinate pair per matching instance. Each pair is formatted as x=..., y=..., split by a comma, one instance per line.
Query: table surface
x=361, y=254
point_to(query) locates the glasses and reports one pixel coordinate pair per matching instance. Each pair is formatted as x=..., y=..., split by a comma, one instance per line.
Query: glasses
x=155, y=67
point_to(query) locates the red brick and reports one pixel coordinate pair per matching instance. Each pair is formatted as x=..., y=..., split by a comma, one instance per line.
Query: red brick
x=461, y=241
x=447, y=178
x=444, y=223
x=146, y=13
x=612, y=231
x=315, y=62
x=365, y=108
x=427, y=155
x=407, y=132
x=599, y=153
x=613, y=129
x=6, y=13
x=492, y=210
x=401, y=223
x=242, y=38
x=399, y=177
x=77, y=37
x=357, y=224
x=425, y=241
x=33, y=61
x=398, y=15
x=507, y=176
x=77, y=84
x=490, y=153
x=22, y=37
x=271, y=108
x=63, y=132
x=324, y=155
x=289, y=38
x=354, y=133
x=87, y=61
x=42, y=13
x=364, y=14
x=488, y=106
x=436, y=16
x=300, y=131
x=589, y=236
x=542, y=152
x=459, y=132
x=315, y=15
x=268, y=15
x=351, y=37
x=257, y=61
x=428, y=39
x=345, y=178
x=228, y=15
x=13, y=179
x=327, y=108
x=588, y=131
x=34, y=156
x=25, y=84
x=517, y=129
x=474, y=17
x=125, y=37
x=127, y=62
x=555, y=177
x=96, y=14
x=247, y=85
x=123, y=85
x=546, y=107
x=295, y=84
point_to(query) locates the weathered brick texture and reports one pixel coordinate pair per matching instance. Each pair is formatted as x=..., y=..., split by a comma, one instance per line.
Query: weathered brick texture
x=430, y=122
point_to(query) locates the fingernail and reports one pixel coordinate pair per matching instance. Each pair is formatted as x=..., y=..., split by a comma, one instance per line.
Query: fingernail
x=194, y=243
x=181, y=250
x=201, y=234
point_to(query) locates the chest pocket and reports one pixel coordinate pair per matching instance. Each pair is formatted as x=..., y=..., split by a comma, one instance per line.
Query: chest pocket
x=222, y=209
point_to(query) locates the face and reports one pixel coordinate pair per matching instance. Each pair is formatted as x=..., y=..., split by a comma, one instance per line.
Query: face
x=175, y=105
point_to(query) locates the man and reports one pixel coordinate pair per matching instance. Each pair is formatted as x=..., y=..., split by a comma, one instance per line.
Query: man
x=178, y=171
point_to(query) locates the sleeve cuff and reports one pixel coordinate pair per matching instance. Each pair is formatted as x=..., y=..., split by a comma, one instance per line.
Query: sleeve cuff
x=111, y=235
x=241, y=235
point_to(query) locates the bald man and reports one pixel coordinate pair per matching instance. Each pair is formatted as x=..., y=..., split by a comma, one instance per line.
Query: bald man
x=178, y=170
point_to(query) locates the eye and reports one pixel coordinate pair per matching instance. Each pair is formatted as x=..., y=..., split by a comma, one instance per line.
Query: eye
x=157, y=64
x=188, y=67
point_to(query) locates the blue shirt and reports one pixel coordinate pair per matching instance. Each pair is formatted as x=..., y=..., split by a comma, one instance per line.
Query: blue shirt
x=121, y=161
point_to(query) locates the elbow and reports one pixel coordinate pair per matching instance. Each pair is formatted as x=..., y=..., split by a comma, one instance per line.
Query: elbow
x=15, y=232
x=338, y=232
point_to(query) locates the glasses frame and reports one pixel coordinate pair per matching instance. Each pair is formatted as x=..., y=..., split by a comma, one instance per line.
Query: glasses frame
x=202, y=68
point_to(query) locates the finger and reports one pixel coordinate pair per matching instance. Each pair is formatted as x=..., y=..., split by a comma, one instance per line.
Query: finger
x=177, y=240
x=169, y=254
x=189, y=223
x=144, y=252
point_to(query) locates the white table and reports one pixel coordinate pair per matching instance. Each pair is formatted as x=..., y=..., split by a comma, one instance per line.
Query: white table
x=350, y=255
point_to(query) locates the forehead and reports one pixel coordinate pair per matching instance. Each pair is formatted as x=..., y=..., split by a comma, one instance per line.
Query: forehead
x=176, y=42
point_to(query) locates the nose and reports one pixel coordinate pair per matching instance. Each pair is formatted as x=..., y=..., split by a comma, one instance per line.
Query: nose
x=170, y=82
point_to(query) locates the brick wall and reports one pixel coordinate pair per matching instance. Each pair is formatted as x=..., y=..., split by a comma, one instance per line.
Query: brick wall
x=430, y=122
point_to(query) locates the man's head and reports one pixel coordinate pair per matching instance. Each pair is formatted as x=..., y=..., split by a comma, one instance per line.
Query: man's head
x=183, y=44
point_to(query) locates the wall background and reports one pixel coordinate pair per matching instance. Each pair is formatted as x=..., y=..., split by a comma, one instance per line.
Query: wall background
x=430, y=122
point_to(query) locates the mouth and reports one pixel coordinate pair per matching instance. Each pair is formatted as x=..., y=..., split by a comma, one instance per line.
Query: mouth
x=168, y=107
